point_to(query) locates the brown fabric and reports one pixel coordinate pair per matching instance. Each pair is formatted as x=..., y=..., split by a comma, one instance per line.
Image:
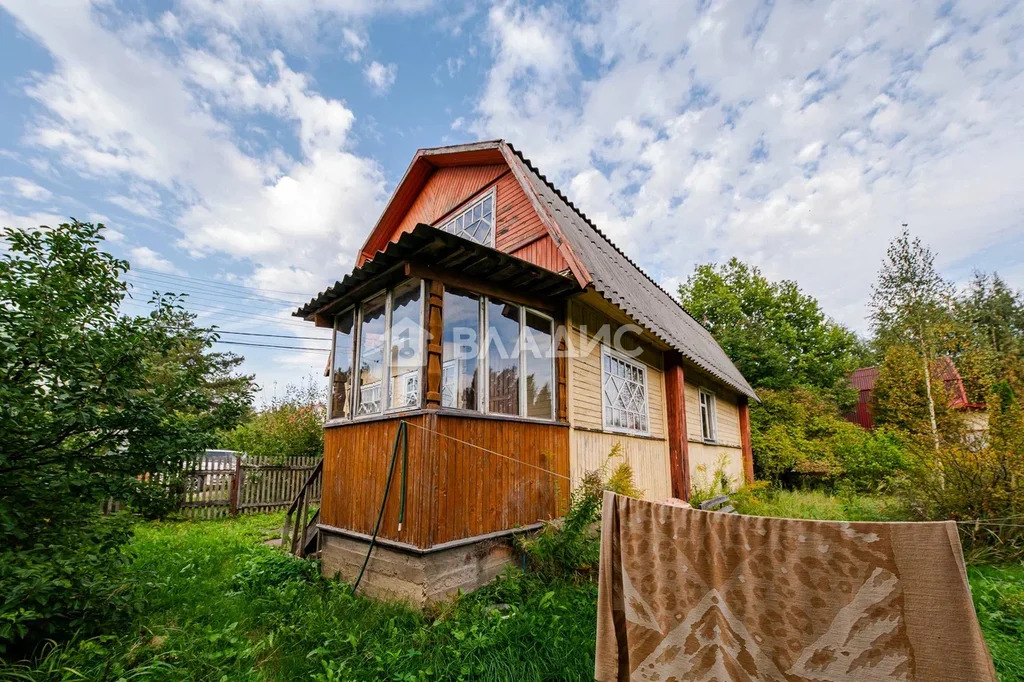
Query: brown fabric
x=694, y=595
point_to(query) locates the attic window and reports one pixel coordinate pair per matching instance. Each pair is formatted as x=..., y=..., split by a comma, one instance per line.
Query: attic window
x=476, y=223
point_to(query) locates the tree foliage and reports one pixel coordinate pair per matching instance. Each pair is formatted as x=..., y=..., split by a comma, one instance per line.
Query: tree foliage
x=778, y=336
x=93, y=404
x=292, y=426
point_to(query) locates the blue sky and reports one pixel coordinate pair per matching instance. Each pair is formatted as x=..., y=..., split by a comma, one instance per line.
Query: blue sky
x=241, y=151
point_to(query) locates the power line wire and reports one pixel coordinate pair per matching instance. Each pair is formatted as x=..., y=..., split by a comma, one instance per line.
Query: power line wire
x=204, y=289
x=270, y=345
x=219, y=282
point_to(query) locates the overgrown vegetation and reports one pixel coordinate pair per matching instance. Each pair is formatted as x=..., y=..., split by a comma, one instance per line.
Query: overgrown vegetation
x=930, y=445
x=288, y=427
x=94, y=404
x=569, y=548
x=218, y=604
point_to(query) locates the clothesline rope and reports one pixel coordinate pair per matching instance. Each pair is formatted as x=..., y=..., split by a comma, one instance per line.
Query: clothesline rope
x=973, y=522
x=492, y=452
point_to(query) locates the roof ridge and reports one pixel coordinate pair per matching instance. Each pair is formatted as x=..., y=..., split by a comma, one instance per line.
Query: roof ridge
x=598, y=230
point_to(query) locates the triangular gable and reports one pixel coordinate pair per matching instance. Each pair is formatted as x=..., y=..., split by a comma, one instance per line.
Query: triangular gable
x=442, y=181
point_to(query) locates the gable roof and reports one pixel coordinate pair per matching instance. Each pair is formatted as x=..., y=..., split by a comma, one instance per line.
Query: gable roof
x=943, y=368
x=593, y=259
x=621, y=281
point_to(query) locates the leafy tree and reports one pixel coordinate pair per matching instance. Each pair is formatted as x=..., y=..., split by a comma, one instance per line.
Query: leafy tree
x=994, y=313
x=289, y=427
x=911, y=307
x=777, y=335
x=92, y=404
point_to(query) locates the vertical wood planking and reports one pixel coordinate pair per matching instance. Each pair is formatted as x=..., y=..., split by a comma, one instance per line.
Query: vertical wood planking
x=455, y=490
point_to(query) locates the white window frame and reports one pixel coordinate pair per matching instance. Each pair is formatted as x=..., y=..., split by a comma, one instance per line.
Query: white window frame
x=468, y=208
x=387, y=353
x=708, y=401
x=352, y=363
x=483, y=363
x=522, y=364
x=621, y=357
x=385, y=388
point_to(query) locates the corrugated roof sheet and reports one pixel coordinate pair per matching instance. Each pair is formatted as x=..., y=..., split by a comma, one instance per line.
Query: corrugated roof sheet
x=435, y=248
x=624, y=284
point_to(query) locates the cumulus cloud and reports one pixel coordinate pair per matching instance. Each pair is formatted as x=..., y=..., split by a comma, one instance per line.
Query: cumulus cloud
x=145, y=257
x=798, y=137
x=381, y=77
x=120, y=104
x=25, y=188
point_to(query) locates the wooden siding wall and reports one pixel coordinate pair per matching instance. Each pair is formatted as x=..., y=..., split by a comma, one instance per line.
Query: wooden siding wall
x=446, y=189
x=455, y=490
x=589, y=445
x=704, y=458
x=518, y=230
x=648, y=456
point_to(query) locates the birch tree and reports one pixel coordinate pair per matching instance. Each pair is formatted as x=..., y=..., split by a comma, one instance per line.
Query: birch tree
x=911, y=305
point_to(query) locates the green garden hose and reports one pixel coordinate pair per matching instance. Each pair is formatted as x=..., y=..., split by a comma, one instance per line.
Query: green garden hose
x=402, y=436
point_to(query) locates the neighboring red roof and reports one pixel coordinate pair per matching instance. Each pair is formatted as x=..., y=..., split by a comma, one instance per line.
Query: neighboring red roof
x=864, y=379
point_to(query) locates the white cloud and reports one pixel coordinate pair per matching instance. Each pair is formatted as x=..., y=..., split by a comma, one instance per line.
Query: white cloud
x=797, y=137
x=25, y=188
x=381, y=77
x=145, y=257
x=121, y=108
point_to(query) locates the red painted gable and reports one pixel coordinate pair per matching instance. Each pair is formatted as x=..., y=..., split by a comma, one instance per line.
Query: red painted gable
x=437, y=187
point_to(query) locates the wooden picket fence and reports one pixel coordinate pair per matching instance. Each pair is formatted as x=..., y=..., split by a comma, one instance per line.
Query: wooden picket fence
x=219, y=485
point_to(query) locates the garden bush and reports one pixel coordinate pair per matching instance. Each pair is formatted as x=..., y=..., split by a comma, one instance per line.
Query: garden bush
x=569, y=548
x=291, y=426
x=67, y=581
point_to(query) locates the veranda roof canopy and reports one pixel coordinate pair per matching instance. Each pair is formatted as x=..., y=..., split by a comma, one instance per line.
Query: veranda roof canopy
x=449, y=256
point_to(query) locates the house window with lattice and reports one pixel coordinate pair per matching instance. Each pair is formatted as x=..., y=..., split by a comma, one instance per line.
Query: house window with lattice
x=476, y=222
x=624, y=388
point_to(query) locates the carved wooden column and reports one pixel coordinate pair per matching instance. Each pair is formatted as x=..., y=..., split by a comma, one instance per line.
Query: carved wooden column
x=678, y=445
x=435, y=331
x=748, y=451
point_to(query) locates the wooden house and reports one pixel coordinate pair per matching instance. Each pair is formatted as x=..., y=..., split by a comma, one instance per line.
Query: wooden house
x=519, y=345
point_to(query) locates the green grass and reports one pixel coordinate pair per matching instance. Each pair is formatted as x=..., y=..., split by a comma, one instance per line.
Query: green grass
x=219, y=605
x=820, y=506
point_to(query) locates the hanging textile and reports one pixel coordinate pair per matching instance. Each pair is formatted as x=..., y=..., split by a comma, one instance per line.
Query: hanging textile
x=695, y=595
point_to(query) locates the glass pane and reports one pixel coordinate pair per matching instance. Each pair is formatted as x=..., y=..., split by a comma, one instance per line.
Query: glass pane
x=371, y=357
x=503, y=357
x=341, y=372
x=539, y=370
x=461, y=353
x=406, y=346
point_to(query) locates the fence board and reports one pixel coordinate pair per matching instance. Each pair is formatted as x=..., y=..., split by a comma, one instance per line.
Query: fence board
x=263, y=485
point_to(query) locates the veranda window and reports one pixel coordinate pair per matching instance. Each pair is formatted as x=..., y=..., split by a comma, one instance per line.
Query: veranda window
x=388, y=358
x=516, y=356
x=539, y=365
x=373, y=331
x=405, y=356
x=460, y=359
x=341, y=369
x=624, y=389
x=503, y=357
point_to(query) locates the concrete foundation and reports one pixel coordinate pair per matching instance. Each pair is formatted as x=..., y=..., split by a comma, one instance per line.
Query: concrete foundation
x=397, y=574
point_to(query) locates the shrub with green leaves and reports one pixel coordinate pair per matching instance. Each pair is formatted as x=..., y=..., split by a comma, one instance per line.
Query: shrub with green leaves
x=569, y=548
x=94, y=404
x=291, y=426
